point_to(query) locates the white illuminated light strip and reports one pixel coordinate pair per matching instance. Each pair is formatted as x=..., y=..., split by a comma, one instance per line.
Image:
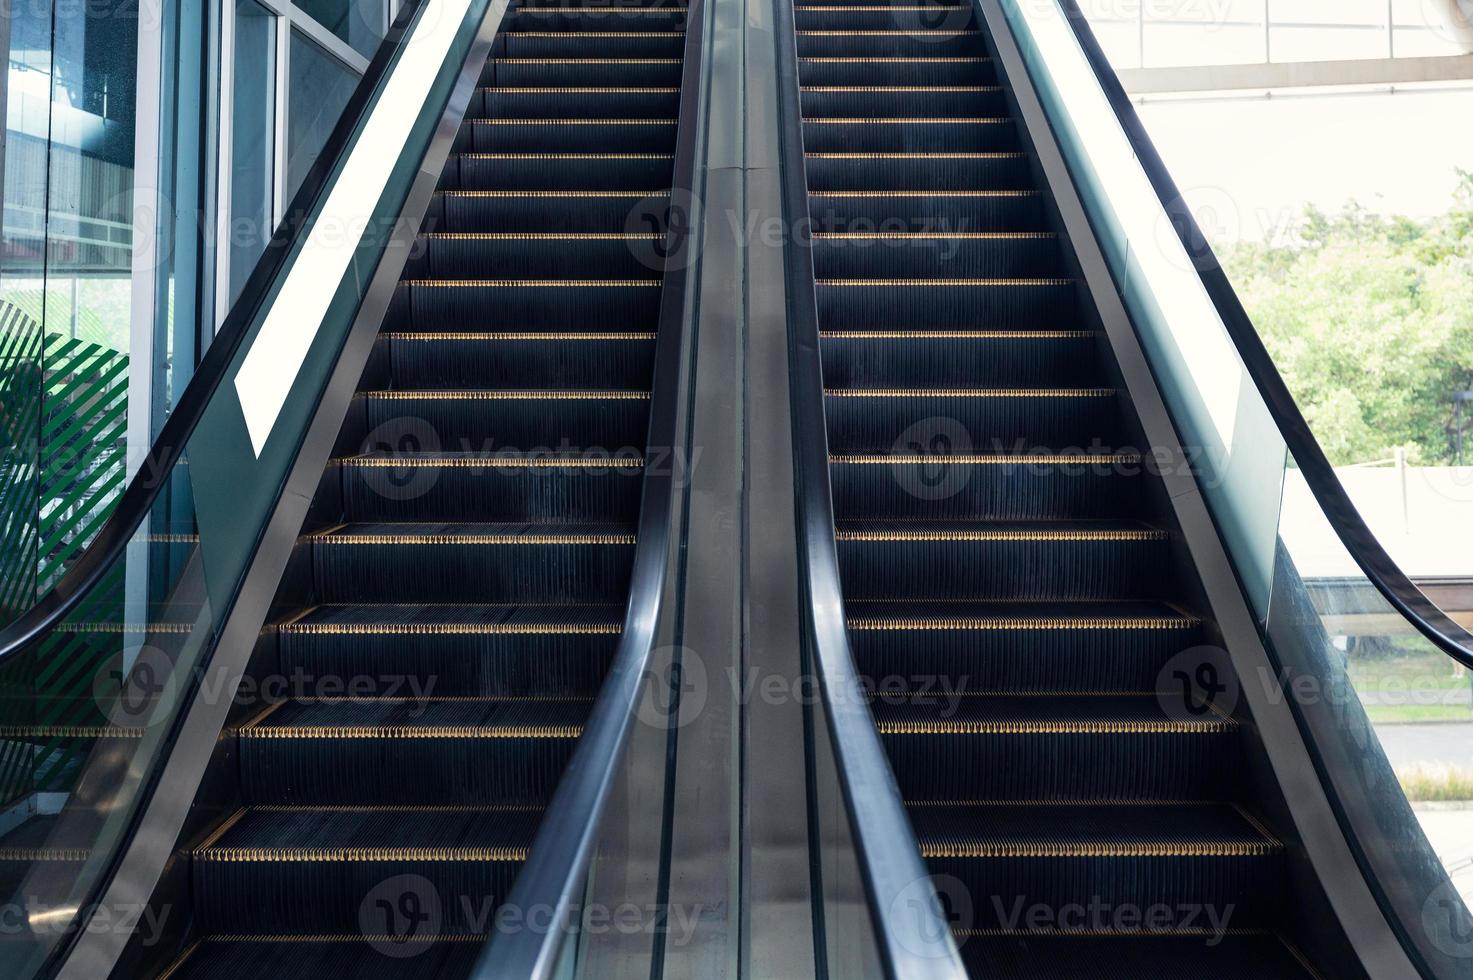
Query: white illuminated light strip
x=270, y=367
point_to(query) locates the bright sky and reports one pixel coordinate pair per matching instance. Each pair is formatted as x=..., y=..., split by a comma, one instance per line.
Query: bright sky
x=1252, y=164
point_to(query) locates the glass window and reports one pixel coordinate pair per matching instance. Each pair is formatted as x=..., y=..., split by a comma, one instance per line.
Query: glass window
x=359, y=22
x=252, y=140
x=318, y=88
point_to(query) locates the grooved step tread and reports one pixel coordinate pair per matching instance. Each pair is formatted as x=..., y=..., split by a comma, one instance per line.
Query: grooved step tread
x=347, y=834
x=914, y=530
x=286, y=957
x=507, y=460
x=414, y=718
x=1088, y=829
x=972, y=615
x=1145, y=955
x=1055, y=713
x=383, y=533
x=452, y=618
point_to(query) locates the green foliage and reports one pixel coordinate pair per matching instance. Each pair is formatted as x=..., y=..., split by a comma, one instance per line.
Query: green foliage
x=1370, y=320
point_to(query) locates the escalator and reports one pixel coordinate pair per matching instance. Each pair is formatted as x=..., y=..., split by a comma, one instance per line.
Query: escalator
x=1011, y=590
x=476, y=548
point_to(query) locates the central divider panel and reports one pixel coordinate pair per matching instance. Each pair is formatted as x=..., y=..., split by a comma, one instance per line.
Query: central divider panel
x=477, y=572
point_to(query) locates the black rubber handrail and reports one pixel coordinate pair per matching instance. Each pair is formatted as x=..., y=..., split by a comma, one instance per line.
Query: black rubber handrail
x=912, y=936
x=1319, y=475
x=558, y=860
x=138, y=498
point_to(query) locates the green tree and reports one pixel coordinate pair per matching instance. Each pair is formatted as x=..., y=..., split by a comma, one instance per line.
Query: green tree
x=1370, y=320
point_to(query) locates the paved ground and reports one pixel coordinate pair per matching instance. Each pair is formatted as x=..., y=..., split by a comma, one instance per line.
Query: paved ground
x=1408, y=746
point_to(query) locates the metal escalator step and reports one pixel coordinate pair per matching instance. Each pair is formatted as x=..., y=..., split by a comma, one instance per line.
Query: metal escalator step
x=915, y=358
x=607, y=421
x=582, y=71
x=1056, y=745
x=900, y=250
x=445, y=304
x=271, y=868
x=990, y=420
x=1017, y=647
x=575, y=102
x=621, y=256
x=492, y=359
x=938, y=477
x=552, y=171
x=538, y=211
x=395, y=562
x=342, y=751
x=956, y=170
x=1207, y=864
x=510, y=487
x=351, y=957
x=565, y=134
x=1160, y=954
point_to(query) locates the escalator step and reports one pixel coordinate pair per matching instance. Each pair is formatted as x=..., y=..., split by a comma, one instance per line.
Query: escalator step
x=886, y=43
x=459, y=256
x=588, y=134
x=576, y=102
x=1004, y=420
x=957, y=303
x=443, y=304
x=515, y=421
x=301, y=957
x=452, y=650
x=1017, y=647
x=1047, y=560
x=572, y=359
x=935, y=253
x=937, y=479
x=972, y=210
x=327, y=865
x=508, y=487
x=420, y=563
x=554, y=210
x=1049, y=747
x=1207, y=857
x=570, y=17
x=910, y=134
x=920, y=70
x=906, y=101
x=555, y=171
x=582, y=71
x=918, y=171
x=1146, y=955
x=912, y=18
x=920, y=358
x=362, y=751
x=590, y=44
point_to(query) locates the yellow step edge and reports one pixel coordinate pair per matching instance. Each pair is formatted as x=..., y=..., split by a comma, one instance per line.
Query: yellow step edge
x=453, y=629
x=282, y=855
x=944, y=283
x=955, y=334
x=471, y=540
x=491, y=462
x=953, y=726
x=981, y=459
x=532, y=283
x=1002, y=534
x=538, y=236
x=1001, y=236
x=506, y=396
x=906, y=120
x=986, y=850
x=582, y=89
x=969, y=392
x=553, y=193
x=490, y=336
x=569, y=122
x=983, y=623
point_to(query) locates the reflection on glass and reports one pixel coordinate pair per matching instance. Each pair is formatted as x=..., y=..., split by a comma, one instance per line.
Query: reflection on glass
x=252, y=141
x=318, y=89
x=65, y=287
x=359, y=22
